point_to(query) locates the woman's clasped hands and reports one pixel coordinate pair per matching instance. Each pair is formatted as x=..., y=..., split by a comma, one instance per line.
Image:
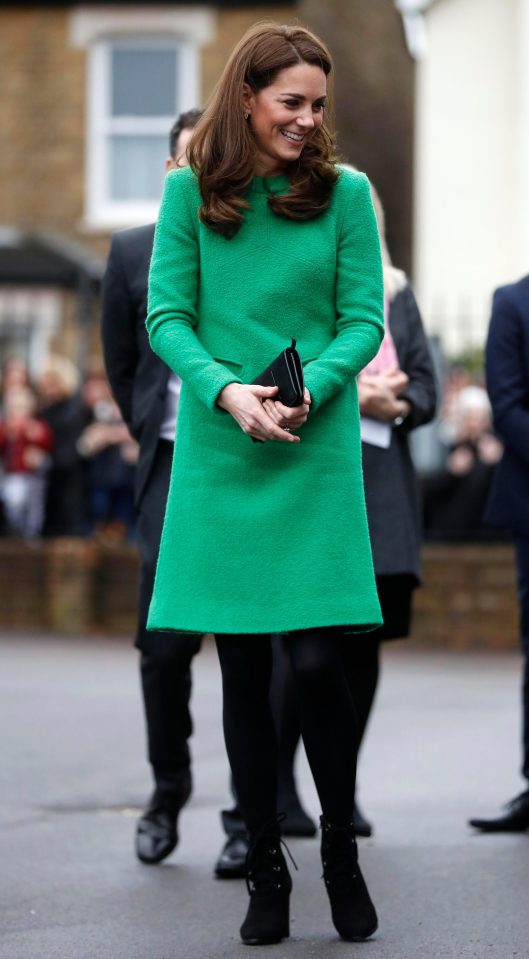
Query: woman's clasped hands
x=262, y=416
x=379, y=394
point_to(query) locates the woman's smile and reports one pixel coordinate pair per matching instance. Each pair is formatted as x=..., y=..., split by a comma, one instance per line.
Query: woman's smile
x=296, y=137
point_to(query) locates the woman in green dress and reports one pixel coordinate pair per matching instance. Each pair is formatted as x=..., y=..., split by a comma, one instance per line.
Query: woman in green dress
x=262, y=239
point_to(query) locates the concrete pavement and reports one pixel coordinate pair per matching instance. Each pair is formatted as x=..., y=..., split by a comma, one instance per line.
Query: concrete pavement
x=443, y=746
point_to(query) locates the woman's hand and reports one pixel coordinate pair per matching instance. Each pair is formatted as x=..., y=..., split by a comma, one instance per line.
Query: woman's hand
x=378, y=395
x=245, y=402
x=289, y=417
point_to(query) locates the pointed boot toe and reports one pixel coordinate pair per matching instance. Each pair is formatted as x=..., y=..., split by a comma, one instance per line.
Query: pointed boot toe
x=269, y=885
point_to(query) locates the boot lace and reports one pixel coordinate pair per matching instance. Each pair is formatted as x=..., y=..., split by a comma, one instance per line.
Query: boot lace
x=339, y=855
x=266, y=869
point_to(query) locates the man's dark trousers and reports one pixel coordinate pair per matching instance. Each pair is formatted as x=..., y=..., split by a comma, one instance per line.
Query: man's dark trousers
x=139, y=381
x=165, y=659
x=521, y=545
x=507, y=369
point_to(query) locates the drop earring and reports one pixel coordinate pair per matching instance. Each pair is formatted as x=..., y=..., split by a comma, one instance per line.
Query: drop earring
x=246, y=115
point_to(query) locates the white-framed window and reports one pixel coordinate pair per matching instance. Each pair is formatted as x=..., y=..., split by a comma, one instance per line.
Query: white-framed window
x=29, y=317
x=143, y=69
x=137, y=86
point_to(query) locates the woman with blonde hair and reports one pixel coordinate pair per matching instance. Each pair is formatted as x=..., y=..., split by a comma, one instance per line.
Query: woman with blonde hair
x=62, y=407
x=264, y=239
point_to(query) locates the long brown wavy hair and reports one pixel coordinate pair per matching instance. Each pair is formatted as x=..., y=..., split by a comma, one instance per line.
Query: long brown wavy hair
x=222, y=149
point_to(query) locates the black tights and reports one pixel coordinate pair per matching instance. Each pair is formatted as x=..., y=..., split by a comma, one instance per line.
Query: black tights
x=328, y=721
x=361, y=659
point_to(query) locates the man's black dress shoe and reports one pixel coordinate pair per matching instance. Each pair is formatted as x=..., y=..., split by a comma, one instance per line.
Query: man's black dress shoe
x=361, y=825
x=156, y=832
x=231, y=863
x=514, y=819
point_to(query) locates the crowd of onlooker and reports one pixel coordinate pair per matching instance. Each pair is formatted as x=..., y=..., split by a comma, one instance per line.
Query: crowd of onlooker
x=66, y=457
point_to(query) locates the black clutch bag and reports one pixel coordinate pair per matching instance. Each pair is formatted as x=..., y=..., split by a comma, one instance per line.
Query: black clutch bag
x=285, y=372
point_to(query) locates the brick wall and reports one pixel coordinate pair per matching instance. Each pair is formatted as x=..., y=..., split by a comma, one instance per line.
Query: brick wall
x=43, y=114
x=374, y=99
x=469, y=597
x=68, y=585
x=80, y=586
x=42, y=121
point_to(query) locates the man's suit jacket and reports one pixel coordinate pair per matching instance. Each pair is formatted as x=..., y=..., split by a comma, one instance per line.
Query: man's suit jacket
x=137, y=376
x=507, y=367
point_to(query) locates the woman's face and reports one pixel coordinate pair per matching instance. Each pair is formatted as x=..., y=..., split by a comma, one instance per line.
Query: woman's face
x=285, y=115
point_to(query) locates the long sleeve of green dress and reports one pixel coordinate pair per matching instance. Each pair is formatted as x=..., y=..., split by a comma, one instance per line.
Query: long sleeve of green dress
x=173, y=296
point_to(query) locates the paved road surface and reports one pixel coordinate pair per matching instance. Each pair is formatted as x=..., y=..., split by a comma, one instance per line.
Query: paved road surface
x=443, y=746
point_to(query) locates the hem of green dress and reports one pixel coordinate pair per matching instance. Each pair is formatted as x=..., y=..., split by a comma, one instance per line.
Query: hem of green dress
x=346, y=627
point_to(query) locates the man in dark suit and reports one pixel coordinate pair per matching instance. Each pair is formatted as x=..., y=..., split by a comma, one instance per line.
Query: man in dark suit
x=147, y=394
x=507, y=363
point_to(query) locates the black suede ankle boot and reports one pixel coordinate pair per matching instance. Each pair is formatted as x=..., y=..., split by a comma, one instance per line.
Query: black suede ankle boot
x=353, y=913
x=269, y=885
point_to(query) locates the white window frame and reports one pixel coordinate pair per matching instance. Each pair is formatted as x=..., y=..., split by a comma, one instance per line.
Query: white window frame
x=102, y=209
x=97, y=31
x=35, y=312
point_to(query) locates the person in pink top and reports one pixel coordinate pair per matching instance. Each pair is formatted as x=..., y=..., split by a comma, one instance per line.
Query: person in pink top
x=397, y=393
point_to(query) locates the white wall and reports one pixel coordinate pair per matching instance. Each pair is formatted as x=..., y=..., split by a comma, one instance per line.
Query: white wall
x=472, y=140
x=522, y=146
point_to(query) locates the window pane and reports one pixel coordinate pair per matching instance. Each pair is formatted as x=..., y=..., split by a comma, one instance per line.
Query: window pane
x=137, y=167
x=143, y=81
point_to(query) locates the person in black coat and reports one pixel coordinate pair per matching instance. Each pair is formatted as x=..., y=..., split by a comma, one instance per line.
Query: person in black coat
x=147, y=395
x=404, y=399
x=397, y=393
x=507, y=372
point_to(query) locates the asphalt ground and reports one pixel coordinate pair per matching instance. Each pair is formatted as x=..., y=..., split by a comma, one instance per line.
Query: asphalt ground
x=443, y=746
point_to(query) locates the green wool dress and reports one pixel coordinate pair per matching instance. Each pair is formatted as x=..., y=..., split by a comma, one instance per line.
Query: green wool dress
x=266, y=537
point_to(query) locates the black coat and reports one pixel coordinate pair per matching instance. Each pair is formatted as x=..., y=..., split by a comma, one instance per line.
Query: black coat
x=137, y=376
x=507, y=368
x=66, y=506
x=391, y=486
